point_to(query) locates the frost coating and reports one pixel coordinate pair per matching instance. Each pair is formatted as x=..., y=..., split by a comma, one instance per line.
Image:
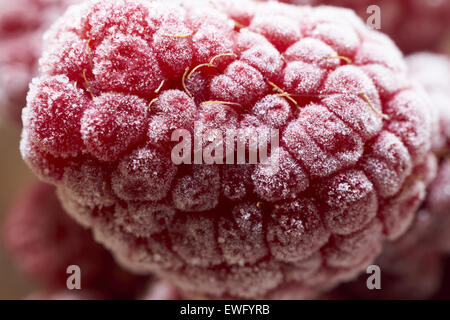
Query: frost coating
x=430, y=71
x=146, y=174
x=230, y=231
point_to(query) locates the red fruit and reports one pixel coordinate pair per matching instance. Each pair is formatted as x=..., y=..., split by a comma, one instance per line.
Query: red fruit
x=45, y=241
x=348, y=121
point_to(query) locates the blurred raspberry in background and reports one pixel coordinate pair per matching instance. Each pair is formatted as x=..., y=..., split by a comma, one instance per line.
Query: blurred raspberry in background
x=414, y=266
x=45, y=241
x=22, y=25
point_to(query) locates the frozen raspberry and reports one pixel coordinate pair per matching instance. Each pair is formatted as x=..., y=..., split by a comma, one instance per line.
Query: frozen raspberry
x=22, y=24
x=342, y=177
x=45, y=242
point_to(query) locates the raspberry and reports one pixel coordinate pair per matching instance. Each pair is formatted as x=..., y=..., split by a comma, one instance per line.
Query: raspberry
x=45, y=241
x=413, y=24
x=349, y=125
x=22, y=25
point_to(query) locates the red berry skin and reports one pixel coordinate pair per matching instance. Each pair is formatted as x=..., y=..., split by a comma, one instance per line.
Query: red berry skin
x=352, y=137
x=45, y=241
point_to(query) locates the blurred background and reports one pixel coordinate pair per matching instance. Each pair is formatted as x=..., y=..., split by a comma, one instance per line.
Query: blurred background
x=14, y=177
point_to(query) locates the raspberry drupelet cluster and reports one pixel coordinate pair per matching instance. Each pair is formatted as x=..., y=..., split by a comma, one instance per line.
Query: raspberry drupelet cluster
x=22, y=24
x=118, y=77
x=45, y=241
